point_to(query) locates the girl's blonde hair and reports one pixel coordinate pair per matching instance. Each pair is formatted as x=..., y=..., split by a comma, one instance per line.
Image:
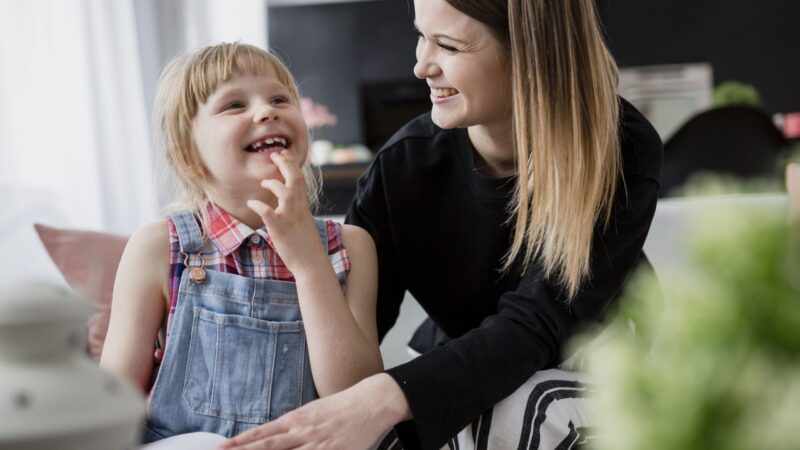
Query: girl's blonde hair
x=185, y=83
x=565, y=127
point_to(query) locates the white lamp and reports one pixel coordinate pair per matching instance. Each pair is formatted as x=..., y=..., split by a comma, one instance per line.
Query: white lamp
x=52, y=396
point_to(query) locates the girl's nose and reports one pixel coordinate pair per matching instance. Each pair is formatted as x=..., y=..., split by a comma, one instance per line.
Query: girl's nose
x=265, y=114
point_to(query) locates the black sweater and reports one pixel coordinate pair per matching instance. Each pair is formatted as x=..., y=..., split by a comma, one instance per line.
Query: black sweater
x=441, y=230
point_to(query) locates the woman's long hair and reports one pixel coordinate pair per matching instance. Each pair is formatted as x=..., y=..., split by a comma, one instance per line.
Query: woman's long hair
x=565, y=127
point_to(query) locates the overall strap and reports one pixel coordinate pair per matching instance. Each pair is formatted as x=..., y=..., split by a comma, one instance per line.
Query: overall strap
x=322, y=229
x=190, y=237
x=339, y=260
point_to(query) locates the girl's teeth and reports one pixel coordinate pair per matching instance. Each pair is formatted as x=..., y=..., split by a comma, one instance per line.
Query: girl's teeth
x=269, y=143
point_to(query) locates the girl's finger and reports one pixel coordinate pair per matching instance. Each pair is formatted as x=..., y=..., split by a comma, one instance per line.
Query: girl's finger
x=262, y=209
x=278, y=189
x=291, y=173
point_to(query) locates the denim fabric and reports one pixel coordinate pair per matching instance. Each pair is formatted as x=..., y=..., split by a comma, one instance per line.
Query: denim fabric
x=236, y=354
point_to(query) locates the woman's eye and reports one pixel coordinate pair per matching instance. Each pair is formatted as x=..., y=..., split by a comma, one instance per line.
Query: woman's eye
x=448, y=48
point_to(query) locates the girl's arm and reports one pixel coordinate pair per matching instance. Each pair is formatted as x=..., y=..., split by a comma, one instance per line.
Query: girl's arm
x=340, y=329
x=138, y=304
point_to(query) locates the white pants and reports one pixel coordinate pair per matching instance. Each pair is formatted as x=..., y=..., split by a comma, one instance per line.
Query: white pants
x=548, y=412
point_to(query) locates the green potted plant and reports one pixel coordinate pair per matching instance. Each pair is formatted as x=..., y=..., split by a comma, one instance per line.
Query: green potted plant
x=735, y=93
x=723, y=370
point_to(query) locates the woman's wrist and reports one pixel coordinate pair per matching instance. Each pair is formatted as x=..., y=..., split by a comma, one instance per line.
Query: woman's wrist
x=392, y=405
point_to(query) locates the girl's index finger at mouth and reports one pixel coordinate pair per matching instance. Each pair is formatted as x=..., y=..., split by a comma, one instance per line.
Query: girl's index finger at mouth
x=287, y=167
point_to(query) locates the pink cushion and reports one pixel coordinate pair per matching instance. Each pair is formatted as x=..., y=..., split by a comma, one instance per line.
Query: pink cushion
x=88, y=260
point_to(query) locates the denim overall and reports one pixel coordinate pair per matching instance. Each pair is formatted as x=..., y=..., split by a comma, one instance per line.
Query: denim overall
x=236, y=354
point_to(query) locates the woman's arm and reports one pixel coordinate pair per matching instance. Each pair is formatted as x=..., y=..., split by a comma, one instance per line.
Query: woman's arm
x=138, y=304
x=340, y=330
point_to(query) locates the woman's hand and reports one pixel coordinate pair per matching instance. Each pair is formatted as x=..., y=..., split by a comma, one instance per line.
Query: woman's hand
x=290, y=225
x=353, y=419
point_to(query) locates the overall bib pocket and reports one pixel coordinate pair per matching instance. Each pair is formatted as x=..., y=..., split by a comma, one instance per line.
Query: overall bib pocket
x=244, y=369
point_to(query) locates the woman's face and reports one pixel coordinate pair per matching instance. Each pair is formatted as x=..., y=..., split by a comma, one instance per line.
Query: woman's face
x=465, y=65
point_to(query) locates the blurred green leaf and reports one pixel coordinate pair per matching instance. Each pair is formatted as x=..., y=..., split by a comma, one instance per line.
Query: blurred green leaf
x=718, y=365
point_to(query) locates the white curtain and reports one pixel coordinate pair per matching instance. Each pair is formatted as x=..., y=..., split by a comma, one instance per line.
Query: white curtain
x=73, y=124
x=76, y=84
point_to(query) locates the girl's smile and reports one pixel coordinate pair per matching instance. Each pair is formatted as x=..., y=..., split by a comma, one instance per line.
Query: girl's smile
x=270, y=143
x=243, y=122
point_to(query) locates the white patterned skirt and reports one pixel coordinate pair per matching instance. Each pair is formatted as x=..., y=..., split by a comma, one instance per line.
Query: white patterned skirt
x=550, y=411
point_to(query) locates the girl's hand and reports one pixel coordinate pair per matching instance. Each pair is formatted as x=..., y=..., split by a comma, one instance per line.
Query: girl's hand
x=290, y=225
x=353, y=419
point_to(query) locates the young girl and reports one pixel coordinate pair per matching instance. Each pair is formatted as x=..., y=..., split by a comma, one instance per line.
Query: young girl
x=247, y=288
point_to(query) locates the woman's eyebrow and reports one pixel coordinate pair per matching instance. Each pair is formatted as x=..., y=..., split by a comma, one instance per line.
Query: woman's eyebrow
x=440, y=35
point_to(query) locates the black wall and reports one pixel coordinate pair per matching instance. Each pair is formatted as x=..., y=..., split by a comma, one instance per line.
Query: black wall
x=757, y=42
x=333, y=48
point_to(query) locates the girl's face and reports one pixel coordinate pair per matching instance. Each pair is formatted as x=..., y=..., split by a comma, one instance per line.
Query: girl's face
x=465, y=65
x=240, y=124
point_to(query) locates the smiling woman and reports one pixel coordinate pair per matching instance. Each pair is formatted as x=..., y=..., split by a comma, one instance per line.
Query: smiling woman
x=502, y=212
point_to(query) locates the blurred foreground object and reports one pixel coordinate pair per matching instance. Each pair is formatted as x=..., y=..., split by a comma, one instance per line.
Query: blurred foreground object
x=723, y=371
x=52, y=396
x=793, y=188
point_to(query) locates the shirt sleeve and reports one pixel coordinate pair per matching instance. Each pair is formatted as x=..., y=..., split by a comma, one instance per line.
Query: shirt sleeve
x=369, y=211
x=451, y=386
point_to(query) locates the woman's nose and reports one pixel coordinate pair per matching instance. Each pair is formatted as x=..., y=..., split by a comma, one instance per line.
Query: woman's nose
x=420, y=70
x=425, y=67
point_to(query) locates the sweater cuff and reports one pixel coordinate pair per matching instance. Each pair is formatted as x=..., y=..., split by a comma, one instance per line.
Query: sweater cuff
x=426, y=431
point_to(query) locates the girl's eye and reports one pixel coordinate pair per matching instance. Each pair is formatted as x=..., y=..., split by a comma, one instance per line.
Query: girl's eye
x=279, y=100
x=234, y=105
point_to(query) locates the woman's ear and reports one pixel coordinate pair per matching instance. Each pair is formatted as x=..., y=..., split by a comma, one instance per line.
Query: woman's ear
x=793, y=189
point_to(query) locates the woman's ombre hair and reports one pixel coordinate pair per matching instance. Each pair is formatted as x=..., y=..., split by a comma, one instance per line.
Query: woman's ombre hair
x=565, y=127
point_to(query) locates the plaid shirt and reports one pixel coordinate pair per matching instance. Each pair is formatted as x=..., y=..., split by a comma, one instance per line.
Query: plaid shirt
x=240, y=250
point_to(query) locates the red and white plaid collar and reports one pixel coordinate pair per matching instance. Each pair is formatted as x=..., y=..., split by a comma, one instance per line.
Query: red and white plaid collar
x=227, y=232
